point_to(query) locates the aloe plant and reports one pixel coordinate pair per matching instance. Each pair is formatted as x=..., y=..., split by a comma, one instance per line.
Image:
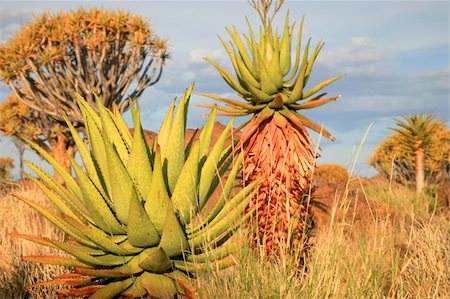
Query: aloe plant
x=132, y=213
x=273, y=87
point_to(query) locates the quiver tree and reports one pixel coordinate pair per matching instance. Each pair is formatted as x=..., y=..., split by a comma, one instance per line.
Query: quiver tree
x=418, y=152
x=277, y=145
x=109, y=54
x=21, y=122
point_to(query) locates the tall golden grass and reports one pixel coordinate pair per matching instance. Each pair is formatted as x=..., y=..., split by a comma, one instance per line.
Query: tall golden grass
x=398, y=246
x=16, y=276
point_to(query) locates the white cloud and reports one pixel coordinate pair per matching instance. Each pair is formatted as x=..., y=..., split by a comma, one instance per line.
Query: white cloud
x=362, y=42
x=361, y=53
x=218, y=55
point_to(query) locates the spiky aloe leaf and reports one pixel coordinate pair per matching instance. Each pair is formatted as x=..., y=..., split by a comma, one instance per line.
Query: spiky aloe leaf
x=185, y=197
x=138, y=164
x=157, y=261
x=175, y=145
x=112, y=289
x=158, y=198
x=210, y=167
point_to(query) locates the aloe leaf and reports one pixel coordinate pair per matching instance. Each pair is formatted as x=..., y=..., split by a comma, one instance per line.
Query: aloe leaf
x=84, y=154
x=97, y=204
x=156, y=261
x=141, y=230
x=58, y=222
x=210, y=167
x=158, y=285
x=132, y=266
x=55, y=260
x=66, y=176
x=206, y=134
x=68, y=279
x=241, y=47
x=298, y=50
x=233, y=103
x=183, y=283
x=34, y=239
x=297, y=91
x=79, y=292
x=237, y=202
x=164, y=131
x=229, y=78
x=223, y=108
x=96, y=145
x=267, y=85
x=184, y=196
x=104, y=273
x=312, y=61
x=135, y=290
x=321, y=85
x=313, y=103
x=138, y=164
x=122, y=189
x=105, y=260
x=222, y=222
x=212, y=237
x=224, y=196
x=232, y=54
x=72, y=200
x=259, y=96
x=54, y=198
x=103, y=240
x=175, y=157
x=222, y=167
x=110, y=129
x=173, y=239
x=112, y=289
x=214, y=254
x=157, y=199
x=117, y=117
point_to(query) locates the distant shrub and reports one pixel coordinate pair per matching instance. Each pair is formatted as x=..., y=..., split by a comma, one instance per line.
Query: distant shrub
x=6, y=165
x=331, y=174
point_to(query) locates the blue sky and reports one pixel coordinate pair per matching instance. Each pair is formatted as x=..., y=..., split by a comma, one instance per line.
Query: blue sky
x=396, y=55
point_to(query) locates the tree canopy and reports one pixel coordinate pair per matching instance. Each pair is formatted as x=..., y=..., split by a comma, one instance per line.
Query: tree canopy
x=20, y=121
x=395, y=156
x=112, y=54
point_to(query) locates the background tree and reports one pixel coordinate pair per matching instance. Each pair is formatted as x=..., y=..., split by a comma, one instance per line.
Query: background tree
x=417, y=152
x=21, y=146
x=19, y=121
x=108, y=53
x=6, y=165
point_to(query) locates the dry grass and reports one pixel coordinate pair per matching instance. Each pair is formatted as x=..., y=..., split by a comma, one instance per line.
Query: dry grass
x=15, y=274
x=403, y=254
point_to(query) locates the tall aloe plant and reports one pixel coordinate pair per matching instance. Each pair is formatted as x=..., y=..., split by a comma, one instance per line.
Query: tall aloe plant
x=273, y=86
x=132, y=212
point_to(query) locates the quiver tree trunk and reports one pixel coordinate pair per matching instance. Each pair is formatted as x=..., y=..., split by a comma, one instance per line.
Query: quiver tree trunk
x=420, y=170
x=61, y=149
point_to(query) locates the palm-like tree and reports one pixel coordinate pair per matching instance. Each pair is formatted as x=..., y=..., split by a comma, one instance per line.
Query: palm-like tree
x=415, y=133
x=275, y=140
